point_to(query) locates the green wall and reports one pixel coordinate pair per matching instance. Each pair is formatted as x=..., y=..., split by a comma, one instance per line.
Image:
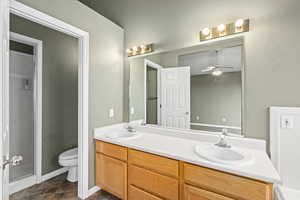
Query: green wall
x=106, y=63
x=60, y=86
x=213, y=98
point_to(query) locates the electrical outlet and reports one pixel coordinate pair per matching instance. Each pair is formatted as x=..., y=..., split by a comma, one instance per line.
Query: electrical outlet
x=287, y=121
x=224, y=119
x=111, y=113
x=132, y=110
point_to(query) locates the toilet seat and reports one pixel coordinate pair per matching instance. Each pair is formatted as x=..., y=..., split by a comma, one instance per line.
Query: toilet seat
x=69, y=155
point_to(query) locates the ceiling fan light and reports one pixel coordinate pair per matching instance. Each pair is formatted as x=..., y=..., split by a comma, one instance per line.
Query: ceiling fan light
x=217, y=72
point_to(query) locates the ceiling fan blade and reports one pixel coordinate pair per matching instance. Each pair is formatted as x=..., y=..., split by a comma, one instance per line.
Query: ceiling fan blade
x=222, y=67
x=208, y=69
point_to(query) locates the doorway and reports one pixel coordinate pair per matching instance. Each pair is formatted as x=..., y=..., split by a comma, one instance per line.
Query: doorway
x=19, y=9
x=152, y=92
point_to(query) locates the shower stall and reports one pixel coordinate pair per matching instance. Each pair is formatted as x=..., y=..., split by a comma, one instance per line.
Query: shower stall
x=22, y=112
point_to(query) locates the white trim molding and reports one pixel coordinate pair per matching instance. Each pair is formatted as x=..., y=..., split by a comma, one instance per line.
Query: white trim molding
x=22, y=184
x=21, y=10
x=94, y=190
x=38, y=102
x=54, y=173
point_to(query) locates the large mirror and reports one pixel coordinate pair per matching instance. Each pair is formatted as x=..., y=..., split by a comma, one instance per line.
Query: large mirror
x=199, y=88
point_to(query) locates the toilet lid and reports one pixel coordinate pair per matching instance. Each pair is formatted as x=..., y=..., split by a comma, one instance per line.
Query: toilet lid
x=69, y=154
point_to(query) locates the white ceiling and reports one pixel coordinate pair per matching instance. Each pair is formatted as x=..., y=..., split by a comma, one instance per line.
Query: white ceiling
x=228, y=57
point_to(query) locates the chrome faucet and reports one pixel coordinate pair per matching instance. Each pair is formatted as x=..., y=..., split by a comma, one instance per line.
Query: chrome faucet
x=130, y=129
x=223, y=142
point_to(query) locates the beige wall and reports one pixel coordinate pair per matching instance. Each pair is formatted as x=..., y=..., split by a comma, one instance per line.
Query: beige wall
x=106, y=62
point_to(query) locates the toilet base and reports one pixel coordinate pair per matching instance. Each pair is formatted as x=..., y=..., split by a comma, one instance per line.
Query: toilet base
x=72, y=174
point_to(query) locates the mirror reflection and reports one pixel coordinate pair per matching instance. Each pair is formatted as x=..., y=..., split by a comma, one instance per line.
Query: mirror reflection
x=199, y=87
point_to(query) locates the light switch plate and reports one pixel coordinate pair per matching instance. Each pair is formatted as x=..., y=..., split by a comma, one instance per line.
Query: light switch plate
x=287, y=121
x=111, y=113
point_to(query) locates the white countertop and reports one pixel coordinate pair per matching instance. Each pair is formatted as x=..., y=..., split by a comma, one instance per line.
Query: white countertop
x=180, y=148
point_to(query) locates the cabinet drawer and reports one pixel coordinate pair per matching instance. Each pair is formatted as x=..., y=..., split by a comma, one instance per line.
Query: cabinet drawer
x=138, y=194
x=111, y=175
x=111, y=150
x=156, y=163
x=194, y=193
x=160, y=185
x=227, y=184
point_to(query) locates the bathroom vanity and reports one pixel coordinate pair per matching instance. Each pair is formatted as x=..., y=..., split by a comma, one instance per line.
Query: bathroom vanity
x=157, y=166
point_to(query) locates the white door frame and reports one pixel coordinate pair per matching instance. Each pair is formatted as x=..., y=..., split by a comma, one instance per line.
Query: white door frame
x=38, y=83
x=17, y=8
x=158, y=67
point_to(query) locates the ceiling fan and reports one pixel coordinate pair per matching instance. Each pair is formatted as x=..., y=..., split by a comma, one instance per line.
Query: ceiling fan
x=216, y=69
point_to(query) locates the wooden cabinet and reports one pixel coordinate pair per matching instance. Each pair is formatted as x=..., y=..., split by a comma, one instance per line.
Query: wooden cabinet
x=135, y=193
x=154, y=177
x=155, y=163
x=160, y=185
x=226, y=184
x=194, y=193
x=112, y=150
x=111, y=175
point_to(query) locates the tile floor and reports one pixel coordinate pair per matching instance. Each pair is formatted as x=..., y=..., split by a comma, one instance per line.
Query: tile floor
x=57, y=188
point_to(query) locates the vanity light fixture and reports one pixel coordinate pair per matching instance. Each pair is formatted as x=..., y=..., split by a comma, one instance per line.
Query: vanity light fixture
x=139, y=50
x=239, y=26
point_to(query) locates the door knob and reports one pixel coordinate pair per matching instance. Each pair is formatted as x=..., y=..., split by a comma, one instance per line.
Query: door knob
x=14, y=161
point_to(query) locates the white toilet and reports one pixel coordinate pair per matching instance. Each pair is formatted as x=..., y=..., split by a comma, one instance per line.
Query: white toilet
x=69, y=159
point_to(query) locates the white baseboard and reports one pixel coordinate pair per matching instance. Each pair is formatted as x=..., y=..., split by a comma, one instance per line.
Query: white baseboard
x=54, y=173
x=32, y=180
x=93, y=190
x=22, y=184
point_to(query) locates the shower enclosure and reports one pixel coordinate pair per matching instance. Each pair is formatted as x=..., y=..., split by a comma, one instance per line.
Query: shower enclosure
x=21, y=124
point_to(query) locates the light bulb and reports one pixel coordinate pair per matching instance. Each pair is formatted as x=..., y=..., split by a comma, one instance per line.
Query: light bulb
x=206, y=31
x=221, y=28
x=135, y=49
x=239, y=23
x=143, y=46
x=217, y=72
x=128, y=50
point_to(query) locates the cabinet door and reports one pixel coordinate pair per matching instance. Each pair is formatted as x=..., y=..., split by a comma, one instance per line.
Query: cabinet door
x=111, y=175
x=138, y=194
x=194, y=193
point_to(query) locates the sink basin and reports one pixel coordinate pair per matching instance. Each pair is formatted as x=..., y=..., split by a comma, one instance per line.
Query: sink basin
x=122, y=134
x=228, y=156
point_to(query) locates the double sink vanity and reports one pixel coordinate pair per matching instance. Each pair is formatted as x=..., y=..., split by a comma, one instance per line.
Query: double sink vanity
x=154, y=163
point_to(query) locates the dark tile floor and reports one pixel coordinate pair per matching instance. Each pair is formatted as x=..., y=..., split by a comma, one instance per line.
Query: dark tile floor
x=57, y=188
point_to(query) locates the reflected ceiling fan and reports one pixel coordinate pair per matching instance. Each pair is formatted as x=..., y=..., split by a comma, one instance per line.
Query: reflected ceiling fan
x=216, y=69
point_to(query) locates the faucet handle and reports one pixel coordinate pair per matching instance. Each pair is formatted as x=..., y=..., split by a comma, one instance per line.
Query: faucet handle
x=224, y=131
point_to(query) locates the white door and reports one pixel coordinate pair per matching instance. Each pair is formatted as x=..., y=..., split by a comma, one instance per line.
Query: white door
x=175, y=97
